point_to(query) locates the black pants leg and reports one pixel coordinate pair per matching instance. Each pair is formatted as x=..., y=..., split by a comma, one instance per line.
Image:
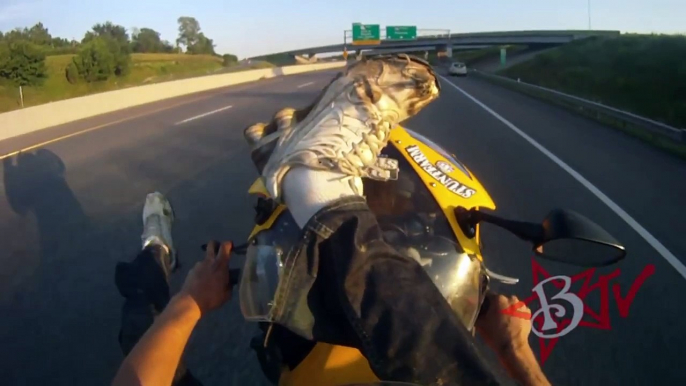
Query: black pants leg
x=145, y=288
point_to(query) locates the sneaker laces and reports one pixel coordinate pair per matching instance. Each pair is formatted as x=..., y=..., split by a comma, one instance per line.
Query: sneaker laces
x=359, y=164
x=362, y=160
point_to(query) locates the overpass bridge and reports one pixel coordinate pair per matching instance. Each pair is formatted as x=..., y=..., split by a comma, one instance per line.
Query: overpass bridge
x=446, y=41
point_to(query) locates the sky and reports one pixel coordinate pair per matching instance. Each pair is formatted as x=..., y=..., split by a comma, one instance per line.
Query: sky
x=255, y=27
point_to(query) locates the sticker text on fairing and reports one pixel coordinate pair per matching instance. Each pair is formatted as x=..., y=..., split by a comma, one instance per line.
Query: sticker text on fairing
x=452, y=185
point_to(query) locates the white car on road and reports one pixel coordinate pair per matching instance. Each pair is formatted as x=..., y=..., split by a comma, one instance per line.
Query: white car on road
x=457, y=68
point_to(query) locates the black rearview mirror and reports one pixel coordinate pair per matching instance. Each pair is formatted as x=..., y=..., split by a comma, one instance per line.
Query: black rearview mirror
x=572, y=238
x=563, y=236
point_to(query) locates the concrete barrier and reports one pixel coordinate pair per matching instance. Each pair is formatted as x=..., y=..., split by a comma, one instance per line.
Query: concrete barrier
x=40, y=117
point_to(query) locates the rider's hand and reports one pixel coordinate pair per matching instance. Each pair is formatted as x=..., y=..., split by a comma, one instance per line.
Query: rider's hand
x=208, y=282
x=503, y=332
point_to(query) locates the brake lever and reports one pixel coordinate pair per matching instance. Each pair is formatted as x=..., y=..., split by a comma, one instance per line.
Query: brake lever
x=502, y=278
x=237, y=249
x=240, y=249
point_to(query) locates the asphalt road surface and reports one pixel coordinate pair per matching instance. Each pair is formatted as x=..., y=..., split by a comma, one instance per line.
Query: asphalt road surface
x=71, y=208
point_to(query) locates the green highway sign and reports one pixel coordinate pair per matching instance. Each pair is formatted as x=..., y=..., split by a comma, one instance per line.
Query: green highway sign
x=401, y=32
x=366, y=34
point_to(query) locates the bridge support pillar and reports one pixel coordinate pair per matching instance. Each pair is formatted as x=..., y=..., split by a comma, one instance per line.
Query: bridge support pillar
x=305, y=59
x=444, y=50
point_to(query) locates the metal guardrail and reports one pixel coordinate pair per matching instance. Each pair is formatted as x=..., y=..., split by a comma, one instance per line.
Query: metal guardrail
x=626, y=118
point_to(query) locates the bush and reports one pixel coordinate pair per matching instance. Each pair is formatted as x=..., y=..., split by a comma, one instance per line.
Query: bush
x=95, y=62
x=22, y=63
x=229, y=60
x=117, y=41
x=121, y=54
x=72, y=73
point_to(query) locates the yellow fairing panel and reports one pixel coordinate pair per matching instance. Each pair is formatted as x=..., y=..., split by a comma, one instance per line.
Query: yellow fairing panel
x=328, y=365
x=455, y=190
x=258, y=189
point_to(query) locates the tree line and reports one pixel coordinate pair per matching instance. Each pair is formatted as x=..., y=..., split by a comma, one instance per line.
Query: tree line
x=104, y=52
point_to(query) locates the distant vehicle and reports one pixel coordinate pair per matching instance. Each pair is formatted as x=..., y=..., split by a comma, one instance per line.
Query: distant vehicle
x=457, y=68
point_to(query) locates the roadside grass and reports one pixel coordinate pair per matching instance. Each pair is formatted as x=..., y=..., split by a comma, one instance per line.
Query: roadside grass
x=145, y=69
x=642, y=74
x=254, y=65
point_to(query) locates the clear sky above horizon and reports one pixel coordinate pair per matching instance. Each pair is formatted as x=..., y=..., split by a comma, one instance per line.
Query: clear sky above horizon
x=249, y=28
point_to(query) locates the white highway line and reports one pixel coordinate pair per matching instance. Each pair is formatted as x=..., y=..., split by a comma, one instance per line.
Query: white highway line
x=649, y=238
x=203, y=115
x=305, y=84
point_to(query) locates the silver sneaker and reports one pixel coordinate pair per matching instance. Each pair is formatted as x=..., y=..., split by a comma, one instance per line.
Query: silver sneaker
x=158, y=217
x=349, y=124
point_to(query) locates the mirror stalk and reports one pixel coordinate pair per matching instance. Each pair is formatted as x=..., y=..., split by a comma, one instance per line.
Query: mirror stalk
x=527, y=231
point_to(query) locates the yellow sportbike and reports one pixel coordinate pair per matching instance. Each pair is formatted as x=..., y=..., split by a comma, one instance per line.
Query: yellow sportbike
x=431, y=213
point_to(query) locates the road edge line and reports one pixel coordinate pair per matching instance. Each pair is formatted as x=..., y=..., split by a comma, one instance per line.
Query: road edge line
x=638, y=228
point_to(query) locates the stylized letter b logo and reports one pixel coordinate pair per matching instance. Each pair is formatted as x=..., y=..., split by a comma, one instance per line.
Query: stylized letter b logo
x=548, y=322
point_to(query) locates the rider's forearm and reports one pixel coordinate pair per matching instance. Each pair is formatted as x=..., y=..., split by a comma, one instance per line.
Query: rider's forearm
x=154, y=359
x=522, y=366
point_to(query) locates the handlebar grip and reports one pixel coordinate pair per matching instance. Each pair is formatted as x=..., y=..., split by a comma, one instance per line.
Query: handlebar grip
x=234, y=276
x=234, y=273
x=217, y=244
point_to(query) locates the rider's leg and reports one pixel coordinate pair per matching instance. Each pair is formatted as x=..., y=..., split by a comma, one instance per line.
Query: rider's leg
x=144, y=286
x=144, y=282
